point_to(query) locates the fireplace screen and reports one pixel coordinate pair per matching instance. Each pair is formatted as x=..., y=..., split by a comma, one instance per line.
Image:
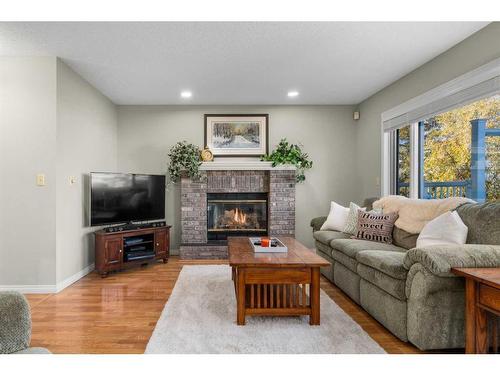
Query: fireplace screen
x=236, y=214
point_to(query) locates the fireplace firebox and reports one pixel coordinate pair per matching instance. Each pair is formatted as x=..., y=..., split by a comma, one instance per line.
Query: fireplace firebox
x=236, y=214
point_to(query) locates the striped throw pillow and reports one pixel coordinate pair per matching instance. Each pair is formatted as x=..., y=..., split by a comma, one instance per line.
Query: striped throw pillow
x=351, y=224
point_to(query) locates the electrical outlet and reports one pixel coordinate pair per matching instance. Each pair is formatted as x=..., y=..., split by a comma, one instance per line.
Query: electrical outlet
x=40, y=179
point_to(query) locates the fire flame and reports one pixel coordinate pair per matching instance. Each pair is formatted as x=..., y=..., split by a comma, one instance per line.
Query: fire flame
x=240, y=217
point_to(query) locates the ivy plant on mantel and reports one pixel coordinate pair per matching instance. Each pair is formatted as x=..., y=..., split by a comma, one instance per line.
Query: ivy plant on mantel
x=288, y=153
x=184, y=160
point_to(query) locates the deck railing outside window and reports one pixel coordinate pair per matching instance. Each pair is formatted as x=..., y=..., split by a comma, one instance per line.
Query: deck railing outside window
x=439, y=189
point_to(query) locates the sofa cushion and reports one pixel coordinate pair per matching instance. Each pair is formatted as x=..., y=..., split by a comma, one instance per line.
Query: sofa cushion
x=390, y=263
x=403, y=238
x=351, y=247
x=323, y=249
x=390, y=285
x=384, y=269
x=483, y=221
x=326, y=236
x=346, y=261
x=344, y=250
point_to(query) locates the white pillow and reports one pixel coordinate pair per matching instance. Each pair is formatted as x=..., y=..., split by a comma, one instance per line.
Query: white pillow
x=337, y=218
x=446, y=229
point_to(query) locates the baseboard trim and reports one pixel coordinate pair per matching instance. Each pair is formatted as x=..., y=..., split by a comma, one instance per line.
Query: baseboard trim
x=74, y=278
x=48, y=289
x=29, y=289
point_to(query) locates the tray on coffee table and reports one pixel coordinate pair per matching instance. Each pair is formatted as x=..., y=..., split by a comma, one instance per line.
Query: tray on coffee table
x=276, y=246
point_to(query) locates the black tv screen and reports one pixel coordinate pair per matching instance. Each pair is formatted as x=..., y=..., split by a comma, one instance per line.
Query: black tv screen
x=123, y=197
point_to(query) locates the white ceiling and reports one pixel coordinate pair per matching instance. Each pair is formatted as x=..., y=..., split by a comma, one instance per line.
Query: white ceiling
x=237, y=62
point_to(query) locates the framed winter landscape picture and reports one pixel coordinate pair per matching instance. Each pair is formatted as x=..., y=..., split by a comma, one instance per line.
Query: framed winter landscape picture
x=237, y=135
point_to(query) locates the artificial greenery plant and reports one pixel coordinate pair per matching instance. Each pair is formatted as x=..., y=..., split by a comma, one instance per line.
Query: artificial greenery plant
x=287, y=153
x=184, y=158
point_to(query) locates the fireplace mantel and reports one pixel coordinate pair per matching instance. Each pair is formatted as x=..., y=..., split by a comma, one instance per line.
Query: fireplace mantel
x=244, y=165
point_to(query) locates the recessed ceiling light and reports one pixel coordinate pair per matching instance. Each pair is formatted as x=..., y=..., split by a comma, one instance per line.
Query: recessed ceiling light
x=186, y=94
x=293, y=94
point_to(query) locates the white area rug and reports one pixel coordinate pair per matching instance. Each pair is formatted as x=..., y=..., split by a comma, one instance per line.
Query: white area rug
x=200, y=317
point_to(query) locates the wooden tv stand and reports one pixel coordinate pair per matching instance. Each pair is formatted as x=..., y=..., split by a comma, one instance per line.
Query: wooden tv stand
x=116, y=251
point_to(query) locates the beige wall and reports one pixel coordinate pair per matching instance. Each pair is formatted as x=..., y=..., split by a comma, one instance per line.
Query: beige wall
x=27, y=147
x=86, y=141
x=473, y=52
x=52, y=122
x=146, y=133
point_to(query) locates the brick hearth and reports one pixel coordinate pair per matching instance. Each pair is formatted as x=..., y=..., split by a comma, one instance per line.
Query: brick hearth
x=278, y=183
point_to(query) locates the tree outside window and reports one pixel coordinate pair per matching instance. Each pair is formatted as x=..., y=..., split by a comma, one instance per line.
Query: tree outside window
x=447, y=146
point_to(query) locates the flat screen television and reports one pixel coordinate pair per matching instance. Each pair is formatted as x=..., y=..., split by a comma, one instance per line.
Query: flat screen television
x=124, y=198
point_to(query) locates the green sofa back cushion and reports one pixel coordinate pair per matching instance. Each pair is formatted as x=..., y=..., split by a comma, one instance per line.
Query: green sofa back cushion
x=483, y=221
x=404, y=239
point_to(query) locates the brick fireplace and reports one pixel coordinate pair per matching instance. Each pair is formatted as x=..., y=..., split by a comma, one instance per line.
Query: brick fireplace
x=235, y=198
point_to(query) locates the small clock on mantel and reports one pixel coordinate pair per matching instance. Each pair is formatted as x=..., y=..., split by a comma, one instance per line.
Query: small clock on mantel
x=207, y=155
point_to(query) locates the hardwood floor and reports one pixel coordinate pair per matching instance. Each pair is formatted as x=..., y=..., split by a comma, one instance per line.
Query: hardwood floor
x=118, y=314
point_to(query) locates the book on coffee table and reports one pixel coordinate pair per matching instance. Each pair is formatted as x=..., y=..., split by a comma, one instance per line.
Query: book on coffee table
x=275, y=245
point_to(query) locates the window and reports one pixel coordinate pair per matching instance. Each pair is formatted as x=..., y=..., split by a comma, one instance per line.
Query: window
x=403, y=161
x=457, y=152
x=446, y=141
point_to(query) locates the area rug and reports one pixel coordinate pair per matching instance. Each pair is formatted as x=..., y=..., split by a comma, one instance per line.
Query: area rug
x=200, y=317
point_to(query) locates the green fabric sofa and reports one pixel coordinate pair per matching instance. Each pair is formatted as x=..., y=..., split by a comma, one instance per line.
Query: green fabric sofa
x=15, y=325
x=411, y=291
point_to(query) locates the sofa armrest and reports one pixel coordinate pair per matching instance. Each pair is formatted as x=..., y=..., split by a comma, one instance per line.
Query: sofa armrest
x=441, y=258
x=15, y=322
x=317, y=222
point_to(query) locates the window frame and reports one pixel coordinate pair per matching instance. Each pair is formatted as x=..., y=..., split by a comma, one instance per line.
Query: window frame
x=388, y=173
x=415, y=182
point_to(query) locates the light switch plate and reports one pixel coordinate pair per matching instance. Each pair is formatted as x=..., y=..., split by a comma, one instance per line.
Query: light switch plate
x=40, y=179
x=72, y=180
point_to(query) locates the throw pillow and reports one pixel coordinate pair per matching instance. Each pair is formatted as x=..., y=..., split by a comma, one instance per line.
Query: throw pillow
x=446, y=229
x=351, y=225
x=336, y=218
x=352, y=219
x=375, y=227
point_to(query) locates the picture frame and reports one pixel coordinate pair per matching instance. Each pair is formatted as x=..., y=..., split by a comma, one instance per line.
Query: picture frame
x=237, y=134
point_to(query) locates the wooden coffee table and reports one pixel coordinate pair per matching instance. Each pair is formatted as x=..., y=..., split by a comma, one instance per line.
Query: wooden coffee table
x=277, y=284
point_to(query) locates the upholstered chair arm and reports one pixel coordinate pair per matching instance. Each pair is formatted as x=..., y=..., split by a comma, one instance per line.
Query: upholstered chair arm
x=439, y=260
x=15, y=322
x=317, y=222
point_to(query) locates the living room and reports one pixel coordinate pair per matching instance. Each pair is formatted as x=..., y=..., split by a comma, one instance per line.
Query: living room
x=249, y=187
